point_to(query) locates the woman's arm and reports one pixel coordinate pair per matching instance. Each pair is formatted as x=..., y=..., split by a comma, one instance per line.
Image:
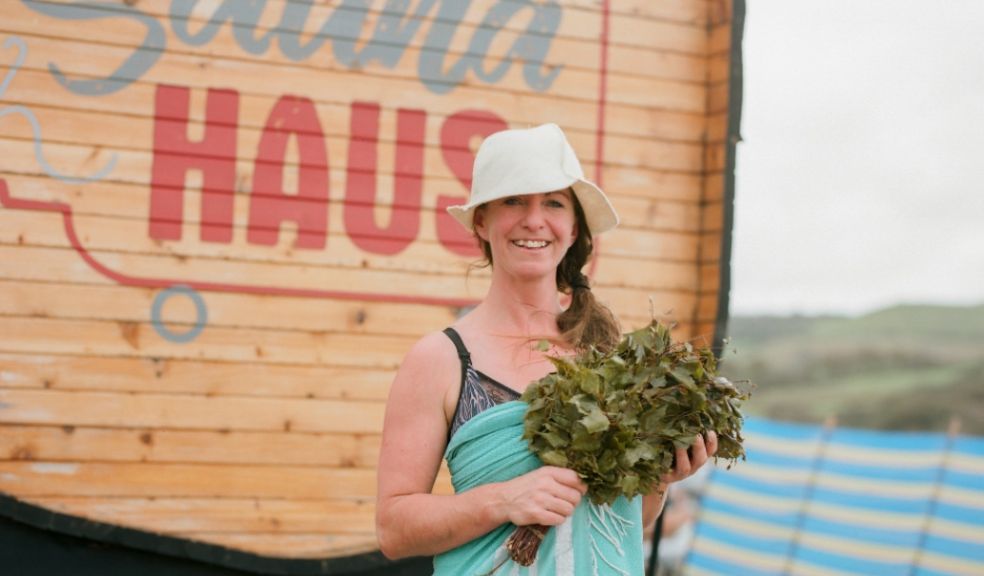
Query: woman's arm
x=411, y=521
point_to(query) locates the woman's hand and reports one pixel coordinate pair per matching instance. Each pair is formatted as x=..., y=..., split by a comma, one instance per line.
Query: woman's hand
x=690, y=460
x=545, y=496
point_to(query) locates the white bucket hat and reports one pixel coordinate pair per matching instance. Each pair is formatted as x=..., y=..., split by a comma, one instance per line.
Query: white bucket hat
x=532, y=161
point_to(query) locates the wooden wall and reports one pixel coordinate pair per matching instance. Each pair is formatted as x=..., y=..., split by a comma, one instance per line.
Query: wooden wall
x=220, y=231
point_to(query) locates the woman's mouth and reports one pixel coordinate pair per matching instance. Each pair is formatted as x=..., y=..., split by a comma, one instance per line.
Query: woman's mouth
x=531, y=244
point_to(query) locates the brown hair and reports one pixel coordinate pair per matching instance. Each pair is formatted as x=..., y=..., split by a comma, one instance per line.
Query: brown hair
x=586, y=322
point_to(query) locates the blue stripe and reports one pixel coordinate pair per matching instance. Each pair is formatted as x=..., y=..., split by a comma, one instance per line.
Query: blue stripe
x=965, y=481
x=871, y=502
x=962, y=514
x=847, y=563
x=927, y=572
x=778, y=547
x=955, y=548
x=894, y=440
x=781, y=430
x=888, y=537
x=773, y=460
x=723, y=566
x=790, y=491
x=754, y=513
x=968, y=445
x=902, y=475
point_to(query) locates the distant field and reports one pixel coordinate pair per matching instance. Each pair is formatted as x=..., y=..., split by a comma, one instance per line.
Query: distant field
x=902, y=368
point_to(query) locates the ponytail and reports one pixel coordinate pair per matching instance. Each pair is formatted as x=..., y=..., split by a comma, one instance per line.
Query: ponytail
x=587, y=322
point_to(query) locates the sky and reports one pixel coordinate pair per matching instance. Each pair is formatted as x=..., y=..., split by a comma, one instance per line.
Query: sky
x=860, y=177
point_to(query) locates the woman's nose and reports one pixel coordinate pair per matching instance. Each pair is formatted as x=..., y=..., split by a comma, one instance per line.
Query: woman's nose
x=533, y=217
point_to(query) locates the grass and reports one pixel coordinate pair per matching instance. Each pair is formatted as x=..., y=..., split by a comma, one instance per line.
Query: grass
x=907, y=367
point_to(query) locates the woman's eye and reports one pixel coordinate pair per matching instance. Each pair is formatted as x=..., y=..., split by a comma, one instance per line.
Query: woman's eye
x=513, y=201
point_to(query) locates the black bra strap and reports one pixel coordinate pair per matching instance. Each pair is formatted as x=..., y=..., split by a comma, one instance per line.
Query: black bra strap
x=465, y=357
x=459, y=345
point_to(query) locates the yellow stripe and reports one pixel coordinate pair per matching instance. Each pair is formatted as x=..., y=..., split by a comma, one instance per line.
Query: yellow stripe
x=949, y=564
x=879, y=457
x=875, y=487
x=855, y=548
x=773, y=445
x=753, y=527
x=857, y=517
x=962, y=497
x=800, y=567
x=966, y=463
x=751, y=499
x=736, y=555
x=771, y=474
x=957, y=530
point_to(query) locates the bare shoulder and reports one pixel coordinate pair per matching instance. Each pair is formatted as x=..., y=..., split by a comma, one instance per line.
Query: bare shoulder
x=432, y=363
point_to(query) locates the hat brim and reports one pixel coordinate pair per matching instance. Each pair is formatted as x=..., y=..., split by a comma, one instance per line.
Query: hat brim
x=598, y=210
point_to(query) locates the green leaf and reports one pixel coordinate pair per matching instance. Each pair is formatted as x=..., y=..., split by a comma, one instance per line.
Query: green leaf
x=595, y=421
x=554, y=458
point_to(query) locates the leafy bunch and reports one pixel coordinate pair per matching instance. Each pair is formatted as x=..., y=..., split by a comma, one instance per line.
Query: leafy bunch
x=617, y=417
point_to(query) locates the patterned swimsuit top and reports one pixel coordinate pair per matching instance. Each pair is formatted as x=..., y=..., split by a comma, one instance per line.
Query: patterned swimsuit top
x=478, y=391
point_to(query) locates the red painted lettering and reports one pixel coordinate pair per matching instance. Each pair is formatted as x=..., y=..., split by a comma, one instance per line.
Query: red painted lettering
x=175, y=155
x=270, y=206
x=360, y=188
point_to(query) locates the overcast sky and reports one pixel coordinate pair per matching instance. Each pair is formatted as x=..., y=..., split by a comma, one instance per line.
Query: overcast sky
x=860, y=181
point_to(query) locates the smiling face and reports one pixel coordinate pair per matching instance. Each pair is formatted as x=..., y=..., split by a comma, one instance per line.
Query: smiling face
x=528, y=235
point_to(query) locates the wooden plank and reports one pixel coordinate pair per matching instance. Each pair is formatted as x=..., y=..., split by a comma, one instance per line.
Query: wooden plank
x=710, y=276
x=69, y=443
x=678, y=21
x=135, y=134
x=711, y=246
x=712, y=218
x=652, y=184
x=256, y=275
x=718, y=96
x=715, y=158
x=314, y=546
x=719, y=67
x=707, y=307
x=48, y=336
x=94, y=61
x=235, y=515
x=355, y=273
x=625, y=265
x=173, y=411
x=575, y=55
x=719, y=41
x=37, y=479
x=717, y=128
x=58, y=298
x=714, y=187
x=677, y=212
x=161, y=375
x=37, y=88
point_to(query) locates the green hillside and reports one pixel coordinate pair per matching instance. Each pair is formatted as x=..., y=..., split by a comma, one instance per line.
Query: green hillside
x=901, y=368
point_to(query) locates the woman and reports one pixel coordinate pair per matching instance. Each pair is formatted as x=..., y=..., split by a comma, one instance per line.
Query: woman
x=455, y=393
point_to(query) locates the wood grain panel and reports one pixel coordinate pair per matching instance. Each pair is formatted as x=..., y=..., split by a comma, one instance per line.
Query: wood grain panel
x=59, y=407
x=71, y=443
x=92, y=372
x=226, y=515
x=577, y=56
x=262, y=434
x=35, y=87
x=151, y=480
